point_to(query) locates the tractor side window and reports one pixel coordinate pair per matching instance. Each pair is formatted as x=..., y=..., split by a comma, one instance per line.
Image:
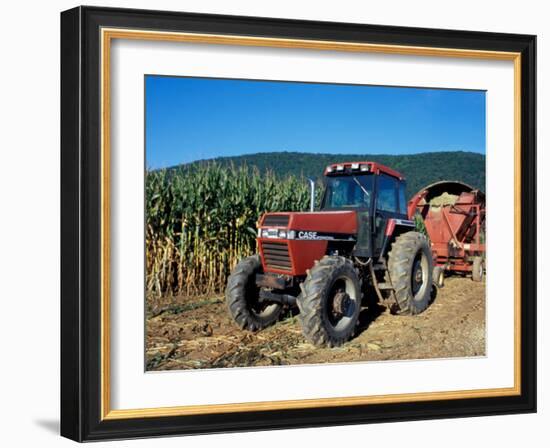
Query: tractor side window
x=402, y=198
x=387, y=194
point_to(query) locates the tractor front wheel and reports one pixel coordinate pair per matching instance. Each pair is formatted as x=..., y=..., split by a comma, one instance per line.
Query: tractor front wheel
x=410, y=271
x=330, y=302
x=242, y=297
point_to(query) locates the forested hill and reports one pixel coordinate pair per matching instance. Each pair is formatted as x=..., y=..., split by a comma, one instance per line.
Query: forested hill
x=419, y=169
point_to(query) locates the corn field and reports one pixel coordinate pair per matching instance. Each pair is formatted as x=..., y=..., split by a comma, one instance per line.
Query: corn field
x=200, y=220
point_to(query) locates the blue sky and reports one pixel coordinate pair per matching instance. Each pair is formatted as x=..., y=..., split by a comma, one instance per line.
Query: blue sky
x=190, y=119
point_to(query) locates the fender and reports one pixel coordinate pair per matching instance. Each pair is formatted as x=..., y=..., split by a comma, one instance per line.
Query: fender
x=395, y=227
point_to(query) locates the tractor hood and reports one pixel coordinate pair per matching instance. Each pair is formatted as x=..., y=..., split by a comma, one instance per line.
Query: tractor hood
x=290, y=243
x=313, y=225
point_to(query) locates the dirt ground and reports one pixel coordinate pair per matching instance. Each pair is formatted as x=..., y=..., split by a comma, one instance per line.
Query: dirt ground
x=197, y=333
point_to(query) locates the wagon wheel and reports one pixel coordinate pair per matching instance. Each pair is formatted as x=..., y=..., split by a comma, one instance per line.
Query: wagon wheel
x=438, y=276
x=477, y=269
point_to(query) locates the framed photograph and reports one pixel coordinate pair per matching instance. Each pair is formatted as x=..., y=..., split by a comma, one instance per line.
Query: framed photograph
x=274, y=223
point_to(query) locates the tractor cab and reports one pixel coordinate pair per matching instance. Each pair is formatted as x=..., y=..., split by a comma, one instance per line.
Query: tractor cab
x=376, y=193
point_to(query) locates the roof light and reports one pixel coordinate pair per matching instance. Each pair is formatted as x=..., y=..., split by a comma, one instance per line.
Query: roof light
x=364, y=168
x=330, y=169
x=340, y=168
x=354, y=166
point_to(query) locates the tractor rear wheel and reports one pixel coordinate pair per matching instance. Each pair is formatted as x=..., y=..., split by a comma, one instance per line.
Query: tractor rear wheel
x=410, y=271
x=242, y=297
x=477, y=269
x=330, y=302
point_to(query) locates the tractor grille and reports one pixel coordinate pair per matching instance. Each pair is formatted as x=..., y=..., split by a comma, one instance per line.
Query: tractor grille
x=276, y=256
x=276, y=220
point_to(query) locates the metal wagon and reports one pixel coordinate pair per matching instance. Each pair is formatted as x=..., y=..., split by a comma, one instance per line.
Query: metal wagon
x=454, y=217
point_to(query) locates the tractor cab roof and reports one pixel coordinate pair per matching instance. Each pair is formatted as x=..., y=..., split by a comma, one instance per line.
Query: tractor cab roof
x=347, y=168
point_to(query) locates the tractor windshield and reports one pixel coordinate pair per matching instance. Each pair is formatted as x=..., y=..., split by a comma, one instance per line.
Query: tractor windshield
x=345, y=192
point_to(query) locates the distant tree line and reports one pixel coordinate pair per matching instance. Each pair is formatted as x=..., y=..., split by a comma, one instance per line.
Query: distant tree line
x=419, y=169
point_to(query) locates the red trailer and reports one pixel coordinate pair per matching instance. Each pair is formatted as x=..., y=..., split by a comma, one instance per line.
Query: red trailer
x=454, y=216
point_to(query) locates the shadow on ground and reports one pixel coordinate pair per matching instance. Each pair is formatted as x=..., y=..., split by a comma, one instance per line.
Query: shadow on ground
x=51, y=426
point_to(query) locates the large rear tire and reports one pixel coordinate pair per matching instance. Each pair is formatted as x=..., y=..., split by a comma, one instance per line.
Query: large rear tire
x=242, y=297
x=330, y=302
x=410, y=271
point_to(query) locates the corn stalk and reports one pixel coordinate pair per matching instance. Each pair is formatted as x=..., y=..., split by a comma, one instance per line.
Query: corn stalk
x=201, y=220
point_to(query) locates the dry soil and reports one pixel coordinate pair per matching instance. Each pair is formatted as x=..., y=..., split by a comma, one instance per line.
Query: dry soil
x=197, y=333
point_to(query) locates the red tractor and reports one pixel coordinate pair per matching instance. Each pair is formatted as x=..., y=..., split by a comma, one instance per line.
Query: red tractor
x=360, y=244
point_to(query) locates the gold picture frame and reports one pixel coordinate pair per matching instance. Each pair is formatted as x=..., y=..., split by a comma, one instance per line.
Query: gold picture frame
x=118, y=25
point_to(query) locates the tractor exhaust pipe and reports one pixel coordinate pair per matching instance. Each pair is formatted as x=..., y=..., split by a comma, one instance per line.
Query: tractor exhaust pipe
x=312, y=194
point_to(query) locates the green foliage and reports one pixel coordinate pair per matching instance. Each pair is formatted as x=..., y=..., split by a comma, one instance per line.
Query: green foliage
x=202, y=219
x=419, y=169
x=419, y=224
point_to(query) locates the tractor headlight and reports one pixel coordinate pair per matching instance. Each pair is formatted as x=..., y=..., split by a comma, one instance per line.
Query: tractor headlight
x=354, y=166
x=286, y=234
x=276, y=233
x=364, y=168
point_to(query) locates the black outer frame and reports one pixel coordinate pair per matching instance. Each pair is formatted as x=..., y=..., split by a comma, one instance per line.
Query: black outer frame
x=80, y=223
